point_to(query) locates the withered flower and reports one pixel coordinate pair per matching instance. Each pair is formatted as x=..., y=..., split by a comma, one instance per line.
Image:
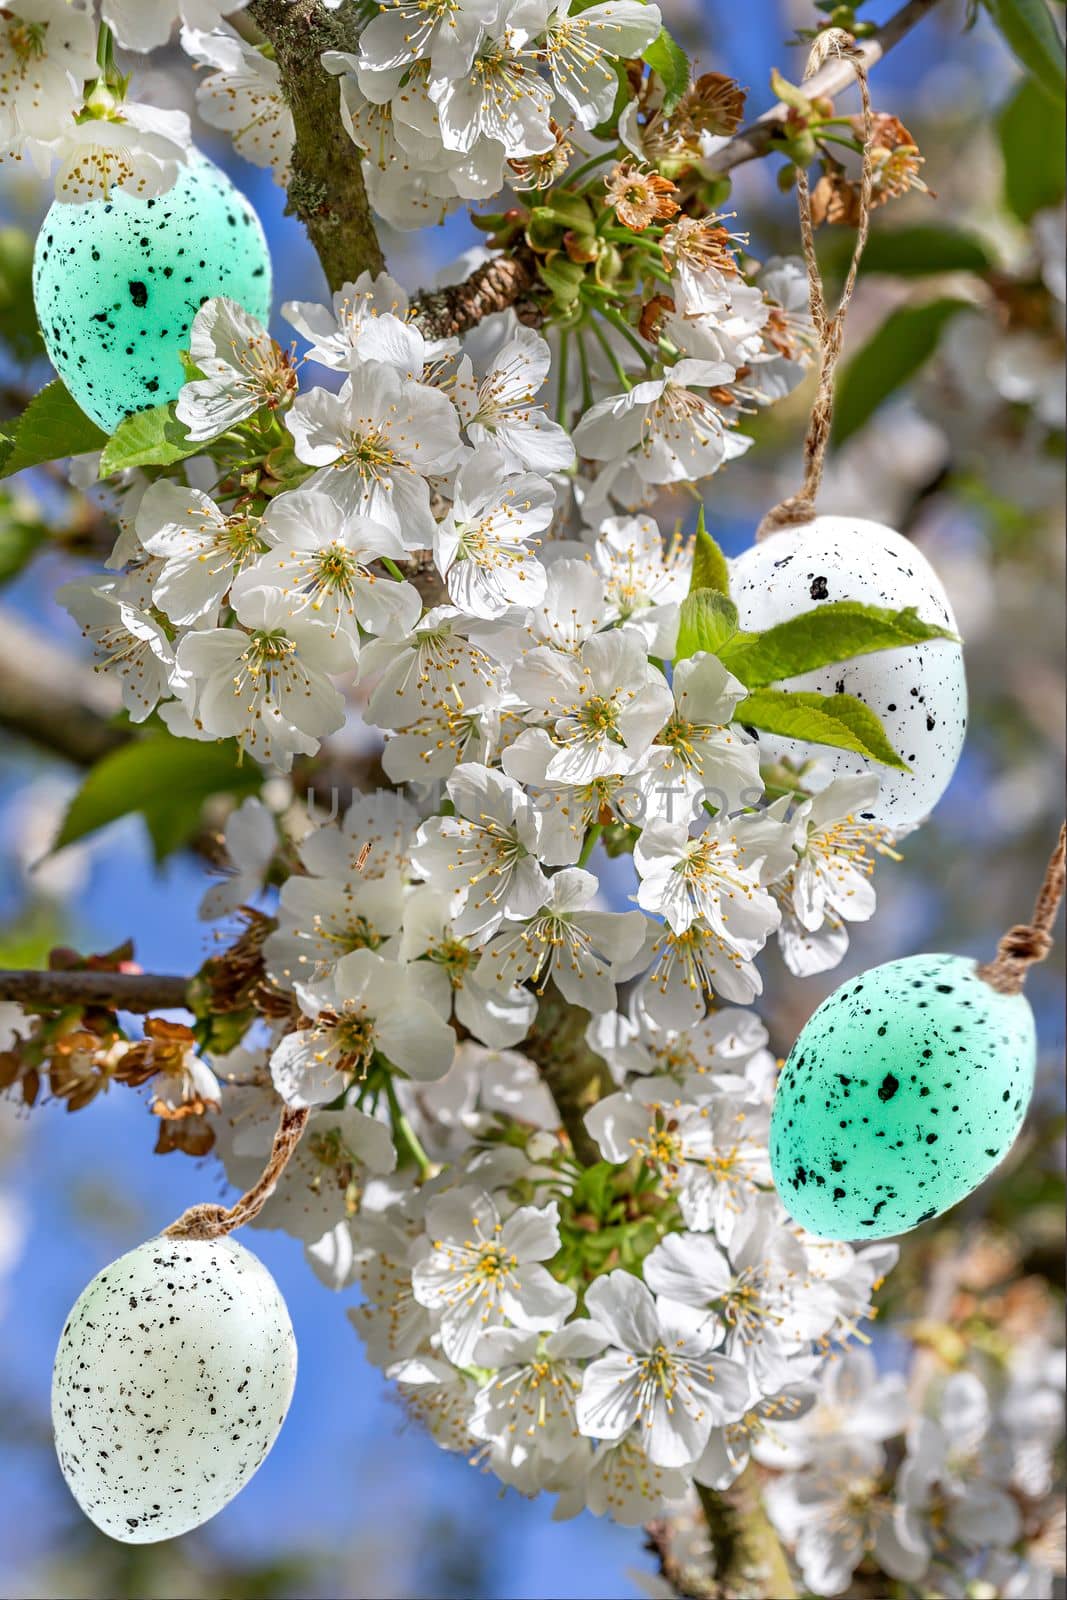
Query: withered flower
x=183, y=1085
x=640, y=198
x=700, y=243
x=895, y=164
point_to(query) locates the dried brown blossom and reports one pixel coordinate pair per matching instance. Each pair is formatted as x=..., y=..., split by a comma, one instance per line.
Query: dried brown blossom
x=640, y=198
x=895, y=163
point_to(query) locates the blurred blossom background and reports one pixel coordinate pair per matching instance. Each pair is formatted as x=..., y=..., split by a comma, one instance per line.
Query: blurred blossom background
x=965, y=455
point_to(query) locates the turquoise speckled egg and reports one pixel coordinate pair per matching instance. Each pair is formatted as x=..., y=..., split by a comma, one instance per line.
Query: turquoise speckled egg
x=903, y=1092
x=117, y=283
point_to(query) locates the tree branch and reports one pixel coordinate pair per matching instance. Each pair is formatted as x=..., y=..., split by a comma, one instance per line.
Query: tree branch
x=326, y=187
x=747, y=1557
x=576, y=1077
x=506, y=280
x=119, y=991
x=48, y=697
x=837, y=74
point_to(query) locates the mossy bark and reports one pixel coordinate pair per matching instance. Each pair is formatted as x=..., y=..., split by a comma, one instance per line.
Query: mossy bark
x=326, y=189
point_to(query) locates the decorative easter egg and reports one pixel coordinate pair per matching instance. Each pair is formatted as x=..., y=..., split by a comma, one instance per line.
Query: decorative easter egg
x=117, y=283
x=172, y=1378
x=901, y=1095
x=918, y=691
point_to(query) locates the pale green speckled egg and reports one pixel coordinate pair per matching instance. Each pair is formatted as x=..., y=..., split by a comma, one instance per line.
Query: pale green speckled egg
x=172, y=1378
x=903, y=1092
x=117, y=283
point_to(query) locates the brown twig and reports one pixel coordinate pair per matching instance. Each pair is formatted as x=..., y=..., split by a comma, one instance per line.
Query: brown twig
x=830, y=326
x=140, y=992
x=758, y=138
x=506, y=280
x=208, y=1221
x=1029, y=942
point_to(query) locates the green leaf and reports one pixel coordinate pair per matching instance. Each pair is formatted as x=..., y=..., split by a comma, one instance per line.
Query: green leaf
x=839, y=720
x=671, y=65
x=925, y=248
x=52, y=426
x=18, y=320
x=1031, y=142
x=166, y=779
x=707, y=620
x=710, y=570
x=19, y=542
x=906, y=339
x=1034, y=39
x=147, y=439
x=837, y=631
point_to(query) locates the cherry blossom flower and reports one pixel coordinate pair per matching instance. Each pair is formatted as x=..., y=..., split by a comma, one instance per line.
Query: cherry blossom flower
x=607, y=703
x=47, y=51
x=243, y=96
x=202, y=549
x=576, y=947
x=498, y=1014
x=375, y=444
x=706, y=879
x=243, y=369
x=489, y=854
x=367, y=321
x=502, y=406
x=129, y=643
x=251, y=839
x=581, y=49
x=269, y=686
x=482, y=1270
x=147, y=24
x=367, y=1005
x=676, y=433
x=319, y=559
x=526, y=1409
x=483, y=546
x=136, y=148
x=661, y=1373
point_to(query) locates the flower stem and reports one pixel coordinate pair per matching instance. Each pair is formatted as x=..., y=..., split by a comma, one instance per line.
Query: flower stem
x=407, y=1139
x=589, y=843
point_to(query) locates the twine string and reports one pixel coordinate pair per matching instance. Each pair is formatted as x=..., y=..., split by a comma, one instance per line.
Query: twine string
x=1029, y=942
x=829, y=326
x=207, y=1221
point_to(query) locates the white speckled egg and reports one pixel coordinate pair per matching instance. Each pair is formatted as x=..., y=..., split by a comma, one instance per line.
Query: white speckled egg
x=172, y=1379
x=919, y=691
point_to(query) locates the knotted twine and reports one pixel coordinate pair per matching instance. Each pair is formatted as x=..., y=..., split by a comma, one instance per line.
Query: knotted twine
x=1031, y=941
x=207, y=1221
x=829, y=326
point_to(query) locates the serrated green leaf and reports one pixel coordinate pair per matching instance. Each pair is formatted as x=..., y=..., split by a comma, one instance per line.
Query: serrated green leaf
x=839, y=720
x=710, y=570
x=1034, y=40
x=926, y=248
x=671, y=65
x=1031, y=142
x=152, y=438
x=906, y=339
x=707, y=620
x=166, y=779
x=52, y=426
x=838, y=631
